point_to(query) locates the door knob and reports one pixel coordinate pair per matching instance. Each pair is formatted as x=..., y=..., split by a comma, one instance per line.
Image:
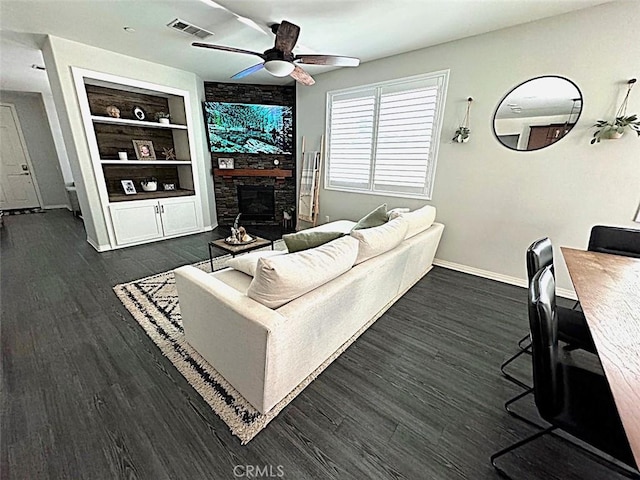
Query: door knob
x=25, y=167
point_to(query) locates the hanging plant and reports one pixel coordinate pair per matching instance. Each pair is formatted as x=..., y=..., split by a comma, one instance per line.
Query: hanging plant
x=616, y=128
x=463, y=132
x=461, y=135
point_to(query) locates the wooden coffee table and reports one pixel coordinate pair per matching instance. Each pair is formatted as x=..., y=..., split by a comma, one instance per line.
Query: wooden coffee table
x=237, y=249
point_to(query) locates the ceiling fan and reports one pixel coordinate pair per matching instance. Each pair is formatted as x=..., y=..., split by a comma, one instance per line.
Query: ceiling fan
x=279, y=61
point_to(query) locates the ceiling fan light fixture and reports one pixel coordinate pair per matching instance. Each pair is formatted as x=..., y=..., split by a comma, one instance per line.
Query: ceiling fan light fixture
x=279, y=68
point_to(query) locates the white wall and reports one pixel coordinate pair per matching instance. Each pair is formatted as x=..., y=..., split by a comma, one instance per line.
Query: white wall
x=40, y=145
x=494, y=201
x=61, y=54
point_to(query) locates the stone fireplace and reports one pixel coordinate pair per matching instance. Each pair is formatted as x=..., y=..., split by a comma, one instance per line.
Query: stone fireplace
x=275, y=187
x=262, y=173
x=256, y=202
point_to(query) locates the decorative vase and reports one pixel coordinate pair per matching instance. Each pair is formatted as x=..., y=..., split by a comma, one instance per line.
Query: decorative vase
x=614, y=134
x=164, y=120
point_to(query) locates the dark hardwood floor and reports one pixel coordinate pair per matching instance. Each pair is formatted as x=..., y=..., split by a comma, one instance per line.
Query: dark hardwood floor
x=87, y=395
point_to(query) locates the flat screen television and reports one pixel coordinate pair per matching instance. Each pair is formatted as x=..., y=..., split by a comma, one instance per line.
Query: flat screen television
x=249, y=128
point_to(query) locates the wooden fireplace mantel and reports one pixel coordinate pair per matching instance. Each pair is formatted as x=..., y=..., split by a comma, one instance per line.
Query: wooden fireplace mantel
x=252, y=172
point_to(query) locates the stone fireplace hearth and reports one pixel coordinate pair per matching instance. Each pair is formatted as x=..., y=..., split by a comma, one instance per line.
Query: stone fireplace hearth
x=278, y=182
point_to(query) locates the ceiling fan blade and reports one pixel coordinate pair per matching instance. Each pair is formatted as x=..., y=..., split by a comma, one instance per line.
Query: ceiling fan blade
x=226, y=49
x=287, y=36
x=327, y=60
x=299, y=75
x=249, y=71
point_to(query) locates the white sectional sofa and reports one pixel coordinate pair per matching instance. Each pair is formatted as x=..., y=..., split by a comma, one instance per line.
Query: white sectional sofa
x=265, y=353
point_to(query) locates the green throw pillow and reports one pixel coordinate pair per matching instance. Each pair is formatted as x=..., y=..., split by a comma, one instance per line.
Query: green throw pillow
x=303, y=240
x=373, y=219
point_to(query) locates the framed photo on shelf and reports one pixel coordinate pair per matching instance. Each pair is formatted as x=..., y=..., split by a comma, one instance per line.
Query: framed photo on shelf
x=225, y=163
x=128, y=187
x=144, y=149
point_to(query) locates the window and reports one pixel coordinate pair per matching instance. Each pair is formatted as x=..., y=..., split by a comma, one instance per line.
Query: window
x=383, y=138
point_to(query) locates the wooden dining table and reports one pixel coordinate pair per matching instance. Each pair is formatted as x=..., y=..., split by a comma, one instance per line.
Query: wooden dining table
x=608, y=287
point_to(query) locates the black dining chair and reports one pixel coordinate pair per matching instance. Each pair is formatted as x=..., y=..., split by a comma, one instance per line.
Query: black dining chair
x=572, y=326
x=574, y=400
x=615, y=240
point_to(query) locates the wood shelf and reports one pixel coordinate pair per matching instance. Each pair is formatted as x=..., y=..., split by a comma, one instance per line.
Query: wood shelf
x=252, y=172
x=142, y=195
x=137, y=123
x=124, y=163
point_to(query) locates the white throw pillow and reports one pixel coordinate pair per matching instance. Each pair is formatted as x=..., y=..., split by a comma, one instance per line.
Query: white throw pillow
x=248, y=262
x=377, y=240
x=418, y=220
x=280, y=279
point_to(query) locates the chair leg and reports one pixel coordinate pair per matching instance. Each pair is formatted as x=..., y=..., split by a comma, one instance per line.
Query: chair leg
x=620, y=468
x=508, y=403
x=510, y=377
x=521, y=341
x=516, y=445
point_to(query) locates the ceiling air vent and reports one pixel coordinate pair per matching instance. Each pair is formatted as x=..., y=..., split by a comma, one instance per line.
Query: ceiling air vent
x=189, y=29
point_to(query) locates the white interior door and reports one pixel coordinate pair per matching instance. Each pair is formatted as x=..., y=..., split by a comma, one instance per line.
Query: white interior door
x=16, y=183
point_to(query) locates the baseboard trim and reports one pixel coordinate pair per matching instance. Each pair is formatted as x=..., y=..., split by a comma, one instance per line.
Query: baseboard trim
x=499, y=277
x=56, y=207
x=98, y=248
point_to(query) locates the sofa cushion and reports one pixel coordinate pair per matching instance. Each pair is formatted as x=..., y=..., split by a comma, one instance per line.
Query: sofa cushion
x=308, y=239
x=280, y=279
x=377, y=240
x=373, y=219
x=393, y=213
x=344, y=226
x=248, y=262
x=418, y=220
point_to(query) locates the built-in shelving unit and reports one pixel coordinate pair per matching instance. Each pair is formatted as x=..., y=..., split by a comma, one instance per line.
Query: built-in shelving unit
x=142, y=216
x=143, y=162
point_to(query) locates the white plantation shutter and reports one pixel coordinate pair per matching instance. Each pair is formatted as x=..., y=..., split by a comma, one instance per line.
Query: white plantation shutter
x=383, y=138
x=352, y=126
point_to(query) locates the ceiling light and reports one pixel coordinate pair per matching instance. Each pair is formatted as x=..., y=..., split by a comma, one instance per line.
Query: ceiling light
x=279, y=68
x=129, y=29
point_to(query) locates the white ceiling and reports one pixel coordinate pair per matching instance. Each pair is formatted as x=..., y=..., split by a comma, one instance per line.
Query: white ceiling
x=367, y=29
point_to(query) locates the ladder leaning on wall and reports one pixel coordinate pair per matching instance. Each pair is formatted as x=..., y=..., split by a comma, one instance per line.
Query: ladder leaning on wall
x=308, y=206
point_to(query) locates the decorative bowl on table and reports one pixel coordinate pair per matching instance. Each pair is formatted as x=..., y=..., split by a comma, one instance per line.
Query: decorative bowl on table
x=247, y=239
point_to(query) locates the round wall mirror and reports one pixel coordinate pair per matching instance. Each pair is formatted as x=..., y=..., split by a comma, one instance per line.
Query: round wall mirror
x=537, y=113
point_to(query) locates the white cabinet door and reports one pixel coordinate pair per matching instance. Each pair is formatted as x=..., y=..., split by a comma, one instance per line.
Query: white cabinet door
x=135, y=222
x=180, y=215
